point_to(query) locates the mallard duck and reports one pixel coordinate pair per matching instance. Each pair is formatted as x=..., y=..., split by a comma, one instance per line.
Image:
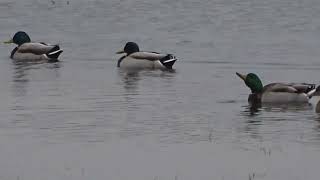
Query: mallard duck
x=277, y=92
x=136, y=59
x=32, y=51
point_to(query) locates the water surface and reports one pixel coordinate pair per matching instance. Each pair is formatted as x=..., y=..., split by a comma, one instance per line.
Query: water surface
x=83, y=118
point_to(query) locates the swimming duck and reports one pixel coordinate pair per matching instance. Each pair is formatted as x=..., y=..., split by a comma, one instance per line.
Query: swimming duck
x=136, y=59
x=277, y=92
x=32, y=51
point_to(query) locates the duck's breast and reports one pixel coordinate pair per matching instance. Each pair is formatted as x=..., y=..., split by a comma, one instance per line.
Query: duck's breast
x=283, y=97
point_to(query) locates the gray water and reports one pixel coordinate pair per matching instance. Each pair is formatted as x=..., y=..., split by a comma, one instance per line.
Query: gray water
x=82, y=118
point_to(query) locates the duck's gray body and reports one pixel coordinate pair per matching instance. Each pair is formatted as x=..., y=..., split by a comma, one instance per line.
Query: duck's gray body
x=34, y=52
x=145, y=60
x=285, y=93
x=284, y=97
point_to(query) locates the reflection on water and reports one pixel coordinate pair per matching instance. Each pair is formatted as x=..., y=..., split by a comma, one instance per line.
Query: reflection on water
x=23, y=73
x=275, y=122
x=287, y=107
x=130, y=80
x=317, y=126
x=20, y=80
x=252, y=109
x=29, y=91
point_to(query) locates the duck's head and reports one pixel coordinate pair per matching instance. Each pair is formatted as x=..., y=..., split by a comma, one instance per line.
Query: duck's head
x=19, y=38
x=252, y=81
x=129, y=48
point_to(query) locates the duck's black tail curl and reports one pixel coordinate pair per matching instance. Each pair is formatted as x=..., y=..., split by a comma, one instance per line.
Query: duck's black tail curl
x=54, y=53
x=168, y=61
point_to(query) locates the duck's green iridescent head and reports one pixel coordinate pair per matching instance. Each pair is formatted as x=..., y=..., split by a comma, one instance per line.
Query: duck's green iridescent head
x=129, y=48
x=252, y=81
x=19, y=38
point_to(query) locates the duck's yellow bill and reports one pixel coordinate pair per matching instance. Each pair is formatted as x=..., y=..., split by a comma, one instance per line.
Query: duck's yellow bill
x=243, y=77
x=120, y=52
x=8, y=42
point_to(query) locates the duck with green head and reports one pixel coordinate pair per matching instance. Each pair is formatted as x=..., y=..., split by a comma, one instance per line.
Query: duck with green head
x=136, y=59
x=32, y=51
x=277, y=92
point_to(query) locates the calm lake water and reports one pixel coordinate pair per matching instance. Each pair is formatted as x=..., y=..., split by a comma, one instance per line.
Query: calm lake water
x=83, y=118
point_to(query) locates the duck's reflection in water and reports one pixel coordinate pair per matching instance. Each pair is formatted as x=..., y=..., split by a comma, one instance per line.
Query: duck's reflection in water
x=22, y=72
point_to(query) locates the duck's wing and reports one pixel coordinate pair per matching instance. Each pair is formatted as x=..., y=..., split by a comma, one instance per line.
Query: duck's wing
x=36, y=48
x=289, y=87
x=279, y=87
x=303, y=87
x=152, y=56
